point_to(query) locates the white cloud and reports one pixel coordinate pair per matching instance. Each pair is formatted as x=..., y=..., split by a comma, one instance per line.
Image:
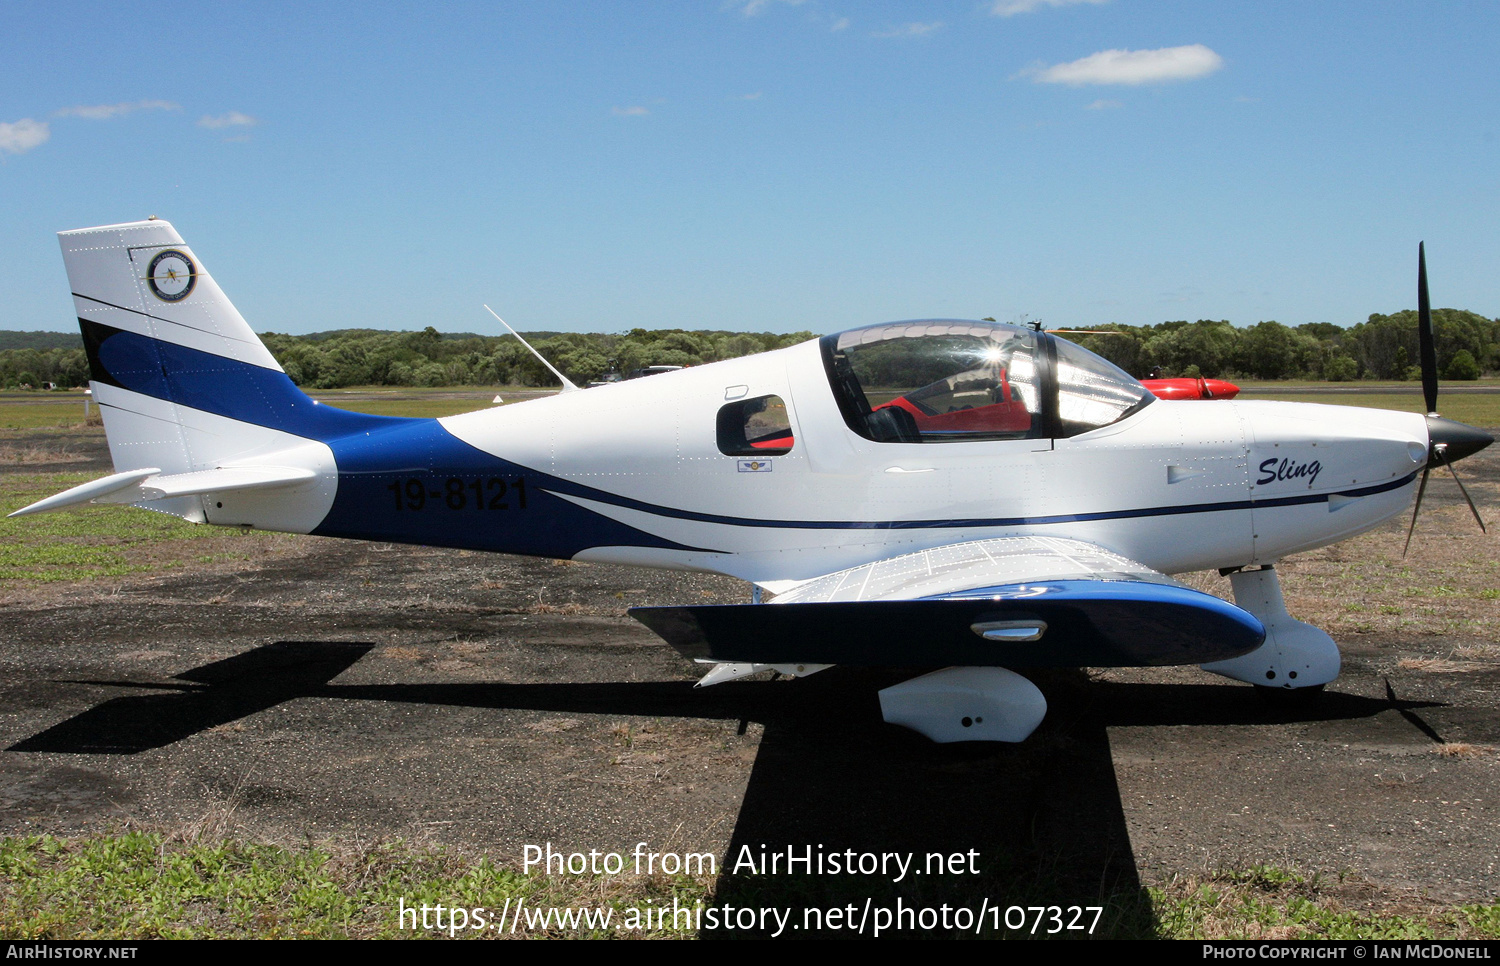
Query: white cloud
x=750, y=97
x=634, y=110
x=840, y=24
x=1009, y=8
x=231, y=119
x=750, y=8
x=910, y=30
x=1183, y=295
x=1103, y=105
x=100, y=112
x=1132, y=67
x=23, y=135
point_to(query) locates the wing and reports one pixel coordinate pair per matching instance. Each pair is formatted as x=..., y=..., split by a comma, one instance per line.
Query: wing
x=1011, y=602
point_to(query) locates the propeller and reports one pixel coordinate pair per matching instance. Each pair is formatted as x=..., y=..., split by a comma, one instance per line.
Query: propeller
x=1448, y=441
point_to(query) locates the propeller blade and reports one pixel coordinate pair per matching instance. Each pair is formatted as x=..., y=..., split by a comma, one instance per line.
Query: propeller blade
x=1465, y=491
x=1424, y=333
x=1421, y=488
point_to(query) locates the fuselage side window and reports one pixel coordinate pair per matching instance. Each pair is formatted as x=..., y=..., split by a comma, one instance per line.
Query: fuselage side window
x=755, y=427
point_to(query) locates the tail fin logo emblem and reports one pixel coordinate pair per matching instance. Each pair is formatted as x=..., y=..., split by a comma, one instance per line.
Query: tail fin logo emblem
x=171, y=275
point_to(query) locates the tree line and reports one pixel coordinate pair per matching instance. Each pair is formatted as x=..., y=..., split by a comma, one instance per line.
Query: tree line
x=376, y=357
x=1383, y=347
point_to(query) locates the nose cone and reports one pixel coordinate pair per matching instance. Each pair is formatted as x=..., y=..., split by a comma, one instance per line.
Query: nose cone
x=1454, y=440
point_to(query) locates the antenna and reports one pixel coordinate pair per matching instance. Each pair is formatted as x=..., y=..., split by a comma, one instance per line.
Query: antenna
x=568, y=385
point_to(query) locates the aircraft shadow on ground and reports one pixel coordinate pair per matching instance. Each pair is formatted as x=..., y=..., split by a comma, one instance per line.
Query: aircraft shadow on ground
x=1042, y=819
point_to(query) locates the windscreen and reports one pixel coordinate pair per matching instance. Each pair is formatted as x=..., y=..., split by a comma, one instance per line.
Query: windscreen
x=1092, y=391
x=927, y=382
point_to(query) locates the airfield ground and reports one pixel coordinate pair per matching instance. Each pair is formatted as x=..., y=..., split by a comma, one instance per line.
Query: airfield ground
x=199, y=684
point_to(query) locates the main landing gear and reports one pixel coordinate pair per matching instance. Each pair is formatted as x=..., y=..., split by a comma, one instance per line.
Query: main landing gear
x=1297, y=659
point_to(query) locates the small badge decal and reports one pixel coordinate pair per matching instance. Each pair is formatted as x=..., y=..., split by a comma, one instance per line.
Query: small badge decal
x=171, y=275
x=755, y=466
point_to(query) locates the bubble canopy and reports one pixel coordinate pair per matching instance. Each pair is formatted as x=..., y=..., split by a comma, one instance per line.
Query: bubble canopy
x=946, y=380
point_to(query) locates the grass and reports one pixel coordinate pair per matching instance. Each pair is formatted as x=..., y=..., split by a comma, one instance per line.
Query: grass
x=434, y=403
x=1475, y=409
x=1265, y=902
x=143, y=886
x=1490, y=382
x=43, y=410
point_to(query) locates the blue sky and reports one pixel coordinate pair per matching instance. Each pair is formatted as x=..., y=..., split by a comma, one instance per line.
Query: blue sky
x=764, y=164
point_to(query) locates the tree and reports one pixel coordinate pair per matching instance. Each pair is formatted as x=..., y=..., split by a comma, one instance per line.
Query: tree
x=1463, y=366
x=1340, y=368
x=1211, y=346
x=1268, y=350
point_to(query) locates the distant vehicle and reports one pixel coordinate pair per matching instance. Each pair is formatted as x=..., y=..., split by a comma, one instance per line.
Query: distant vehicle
x=609, y=378
x=649, y=371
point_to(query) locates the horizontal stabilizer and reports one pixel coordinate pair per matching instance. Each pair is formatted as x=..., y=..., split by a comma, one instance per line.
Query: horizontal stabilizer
x=221, y=480
x=88, y=492
x=1067, y=623
x=144, y=485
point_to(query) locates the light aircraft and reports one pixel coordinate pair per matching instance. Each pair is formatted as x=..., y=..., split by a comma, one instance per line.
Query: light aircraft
x=1022, y=508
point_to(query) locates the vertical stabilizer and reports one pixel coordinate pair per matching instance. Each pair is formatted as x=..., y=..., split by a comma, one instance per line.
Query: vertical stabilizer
x=185, y=386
